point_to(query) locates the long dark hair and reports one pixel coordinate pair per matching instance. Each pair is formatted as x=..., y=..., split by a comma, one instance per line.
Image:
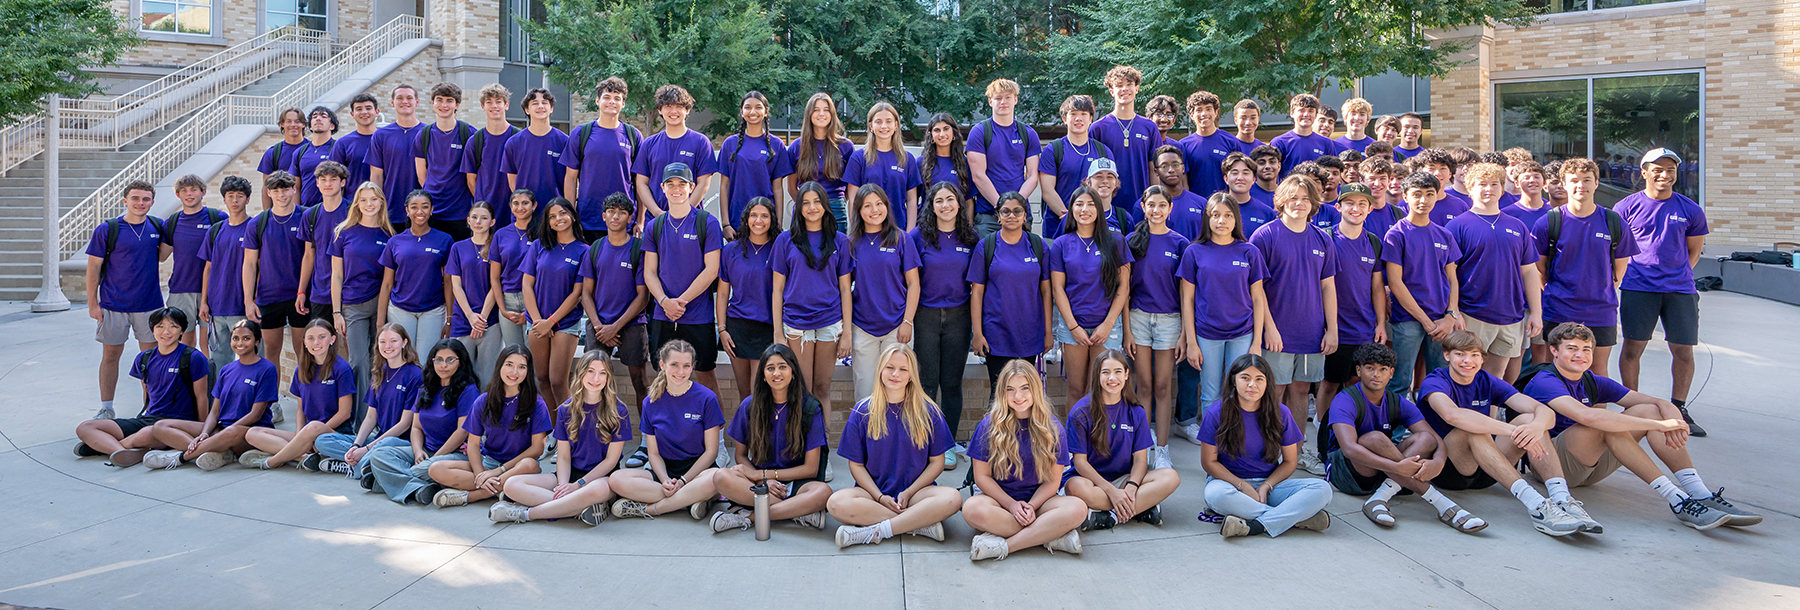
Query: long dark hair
x=1098, y=422
x=460, y=380
x=828, y=227
x=743, y=125
x=1268, y=412
x=1104, y=240
x=958, y=154
x=761, y=418
x=890, y=233
x=494, y=407
x=809, y=166
x=774, y=216
x=1237, y=216
x=546, y=235
x=965, y=230
x=1139, y=241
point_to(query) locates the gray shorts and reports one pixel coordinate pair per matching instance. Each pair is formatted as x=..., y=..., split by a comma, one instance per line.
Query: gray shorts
x=188, y=303
x=116, y=327
x=1155, y=330
x=1290, y=368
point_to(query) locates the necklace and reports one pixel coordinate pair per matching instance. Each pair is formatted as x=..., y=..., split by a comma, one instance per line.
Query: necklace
x=678, y=228
x=753, y=250
x=1079, y=151
x=273, y=216
x=137, y=230
x=1087, y=244
x=1492, y=224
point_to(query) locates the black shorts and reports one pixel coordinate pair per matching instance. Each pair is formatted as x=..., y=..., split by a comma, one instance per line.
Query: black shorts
x=576, y=474
x=749, y=337
x=1451, y=480
x=132, y=425
x=1604, y=336
x=676, y=468
x=1344, y=477
x=633, y=348
x=704, y=338
x=1678, y=311
x=282, y=313
x=458, y=230
x=1340, y=366
x=319, y=311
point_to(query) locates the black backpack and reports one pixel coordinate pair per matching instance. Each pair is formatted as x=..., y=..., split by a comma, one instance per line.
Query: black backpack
x=1327, y=439
x=478, y=141
x=1614, y=227
x=305, y=145
x=213, y=217
x=1056, y=152
x=113, y=225
x=992, y=242
x=636, y=249
x=586, y=130
x=1589, y=385
x=462, y=135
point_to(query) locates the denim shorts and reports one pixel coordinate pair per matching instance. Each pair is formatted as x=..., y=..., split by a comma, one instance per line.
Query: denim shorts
x=827, y=334
x=1063, y=335
x=1156, y=331
x=1290, y=368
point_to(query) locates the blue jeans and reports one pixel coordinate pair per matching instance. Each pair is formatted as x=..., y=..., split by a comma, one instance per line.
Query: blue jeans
x=1290, y=501
x=335, y=445
x=1410, y=339
x=1202, y=387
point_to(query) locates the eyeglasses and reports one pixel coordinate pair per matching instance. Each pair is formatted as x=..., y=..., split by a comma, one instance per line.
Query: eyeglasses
x=1172, y=165
x=1012, y=212
x=446, y=361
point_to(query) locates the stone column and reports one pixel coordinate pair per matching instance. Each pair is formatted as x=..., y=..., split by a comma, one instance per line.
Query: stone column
x=1462, y=103
x=470, y=32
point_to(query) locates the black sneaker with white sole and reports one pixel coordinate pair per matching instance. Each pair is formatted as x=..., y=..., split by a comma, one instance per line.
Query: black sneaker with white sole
x=1153, y=516
x=83, y=450
x=334, y=466
x=1099, y=520
x=1694, y=429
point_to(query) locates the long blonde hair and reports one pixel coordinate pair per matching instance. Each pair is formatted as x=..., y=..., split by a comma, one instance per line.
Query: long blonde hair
x=897, y=143
x=353, y=216
x=916, y=409
x=606, y=417
x=378, y=372
x=1046, y=432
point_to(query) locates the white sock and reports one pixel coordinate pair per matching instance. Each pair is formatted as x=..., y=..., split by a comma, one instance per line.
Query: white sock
x=1437, y=499
x=1526, y=495
x=106, y=404
x=1385, y=492
x=1670, y=492
x=885, y=529
x=1690, y=482
x=1558, y=489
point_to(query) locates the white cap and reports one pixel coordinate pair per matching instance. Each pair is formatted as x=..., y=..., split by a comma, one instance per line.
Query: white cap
x=1102, y=164
x=1658, y=154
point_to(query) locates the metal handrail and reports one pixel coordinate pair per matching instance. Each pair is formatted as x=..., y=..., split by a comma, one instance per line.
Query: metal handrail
x=211, y=119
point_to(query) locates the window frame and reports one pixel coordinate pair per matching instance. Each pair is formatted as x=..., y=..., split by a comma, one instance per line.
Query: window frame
x=216, y=37
x=262, y=16
x=1498, y=115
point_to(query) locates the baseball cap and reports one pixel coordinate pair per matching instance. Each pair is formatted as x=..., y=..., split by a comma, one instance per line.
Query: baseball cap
x=1658, y=154
x=1102, y=165
x=1355, y=188
x=678, y=170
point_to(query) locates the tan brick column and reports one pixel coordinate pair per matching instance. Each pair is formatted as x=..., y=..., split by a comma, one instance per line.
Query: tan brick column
x=470, y=31
x=1462, y=103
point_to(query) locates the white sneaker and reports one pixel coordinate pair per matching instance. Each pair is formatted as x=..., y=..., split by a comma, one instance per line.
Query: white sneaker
x=103, y=413
x=1054, y=355
x=450, y=497
x=1191, y=432
x=848, y=536
x=255, y=459
x=506, y=512
x=697, y=510
x=1309, y=461
x=987, y=546
x=934, y=531
x=275, y=416
x=727, y=520
x=626, y=507
x=1159, y=457
x=215, y=460
x=162, y=460
x=812, y=520
x=1069, y=543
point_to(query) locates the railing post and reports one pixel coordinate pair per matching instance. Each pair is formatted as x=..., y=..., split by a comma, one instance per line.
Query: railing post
x=50, y=295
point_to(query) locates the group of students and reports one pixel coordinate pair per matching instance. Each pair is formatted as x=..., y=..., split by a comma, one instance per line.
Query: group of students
x=1238, y=274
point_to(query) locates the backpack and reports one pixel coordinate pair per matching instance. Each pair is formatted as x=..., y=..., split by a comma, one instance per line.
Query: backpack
x=462, y=135
x=305, y=145
x=635, y=248
x=113, y=226
x=1614, y=227
x=586, y=130
x=1327, y=440
x=1766, y=257
x=992, y=242
x=185, y=370
x=1056, y=152
x=212, y=218
x=477, y=142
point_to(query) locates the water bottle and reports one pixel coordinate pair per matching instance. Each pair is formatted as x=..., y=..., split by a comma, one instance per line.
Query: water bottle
x=762, y=510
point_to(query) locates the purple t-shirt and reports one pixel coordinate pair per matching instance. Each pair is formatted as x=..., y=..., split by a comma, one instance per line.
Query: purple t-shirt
x=1011, y=147
x=444, y=178
x=130, y=283
x=352, y=151
x=1550, y=385
x=319, y=227
x=1381, y=219
x=1249, y=462
x=1296, y=149
x=1421, y=253
x=438, y=421
x=878, y=281
x=944, y=170
x=1481, y=395
x=241, y=386
x=1328, y=216
x=490, y=172
x=1153, y=287
x=1081, y=264
x=587, y=449
x=810, y=298
x=746, y=266
x=306, y=162
x=659, y=150
x=533, y=161
x=752, y=168
x=1491, y=289
x=896, y=177
x=188, y=235
x=616, y=280
x=893, y=461
x=361, y=248
x=1133, y=156
x=943, y=270
x=834, y=187
x=398, y=392
x=1222, y=277
x=555, y=273
x=814, y=437
x=1357, y=263
x=170, y=395
x=1012, y=306
x=466, y=262
x=280, y=156
x=1069, y=175
x=1343, y=411
x=418, y=264
x=1579, y=287
x=1024, y=484
x=680, y=260
x=1204, y=156
x=1661, y=228
x=391, y=149
x=508, y=250
x=1128, y=432
x=1187, y=216
x=679, y=423
x=1297, y=262
x=1527, y=215
x=499, y=440
x=1447, y=209
x=604, y=161
x=225, y=282
x=1345, y=143
x=1247, y=147
x=1408, y=153
x=320, y=398
x=281, y=247
x=1257, y=212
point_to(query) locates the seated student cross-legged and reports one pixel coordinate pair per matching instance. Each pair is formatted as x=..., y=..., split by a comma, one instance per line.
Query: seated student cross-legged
x=446, y=398
x=1018, y=458
x=506, y=435
x=780, y=434
x=895, y=441
x=393, y=390
x=1250, y=447
x=168, y=394
x=1111, y=446
x=1592, y=441
x=326, y=386
x=591, y=429
x=1378, y=443
x=680, y=421
x=241, y=399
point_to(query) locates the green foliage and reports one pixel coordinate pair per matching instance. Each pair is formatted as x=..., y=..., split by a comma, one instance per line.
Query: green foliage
x=45, y=43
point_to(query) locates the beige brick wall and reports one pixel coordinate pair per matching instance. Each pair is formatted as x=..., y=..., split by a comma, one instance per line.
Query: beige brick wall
x=240, y=24
x=466, y=27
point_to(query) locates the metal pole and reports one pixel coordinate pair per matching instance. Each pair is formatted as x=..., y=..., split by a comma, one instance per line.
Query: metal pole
x=50, y=295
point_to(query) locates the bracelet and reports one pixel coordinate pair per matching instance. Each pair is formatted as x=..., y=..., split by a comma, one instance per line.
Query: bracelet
x=906, y=322
x=1134, y=483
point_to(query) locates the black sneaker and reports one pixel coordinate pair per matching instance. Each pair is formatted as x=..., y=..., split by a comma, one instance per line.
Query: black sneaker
x=638, y=458
x=1694, y=429
x=368, y=482
x=425, y=494
x=83, y=450
x=333, y=465
x=1099, y=520
x=1152, y=516
x=309, y=462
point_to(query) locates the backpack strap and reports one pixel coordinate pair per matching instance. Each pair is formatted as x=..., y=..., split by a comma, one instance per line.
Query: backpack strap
x=700, y=226
x=637, y=254
x=183, y=353
x=1056, y=154
x=1374, y=244
x=987, y=133
x=1591, y=386
x=1615, y=228
x=212, y=231
x=582, y=133
x=988, y=245
x=1037, y=250
x=261, y=224
x=112, y=241
x=634, y=137
x=1552, y=233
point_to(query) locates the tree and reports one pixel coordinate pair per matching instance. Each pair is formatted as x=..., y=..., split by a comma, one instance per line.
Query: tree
x=44, y=44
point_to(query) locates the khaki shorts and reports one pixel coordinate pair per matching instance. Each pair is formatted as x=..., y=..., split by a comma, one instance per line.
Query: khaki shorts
x=1499, y=339
x=116, y=327
x=1579, y=475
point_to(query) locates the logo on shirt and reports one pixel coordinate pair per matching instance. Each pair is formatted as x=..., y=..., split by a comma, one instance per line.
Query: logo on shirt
x=1319, y=253
x=1031, y=259
x=434, y=250
x=1604, y=236
x=381, y=242
x=1367, y=259
x=1172, y=255
x=691, y=416
x=553, y=153
x=894, y=168
x=1125, y=427
x=1513, y=233
x=1440, y=246
x=1240, y=263
x=571, y=261
x=203, y=226
x=1674, y=218
x=331, y=382
x=174, y=369
x=888, y=250
x=624, y=265
x=250, y=381
x=963, y=250
x=685, y=153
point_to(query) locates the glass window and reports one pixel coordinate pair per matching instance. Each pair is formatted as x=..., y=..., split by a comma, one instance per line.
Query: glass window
x=1624, y=117
x=1579, y=6
x=309, y=14
x=177, y=16
x=1547, y=118
x=1390, y=93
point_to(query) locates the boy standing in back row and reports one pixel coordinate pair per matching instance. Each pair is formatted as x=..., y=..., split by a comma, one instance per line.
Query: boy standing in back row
x=1670, y=230
x=122, y=259
x=390, y=155
x=1130, y=138
x=1582, y=262
x=1302, y=144
x=1003, y=153
x=438, y=162
x=1500, y=294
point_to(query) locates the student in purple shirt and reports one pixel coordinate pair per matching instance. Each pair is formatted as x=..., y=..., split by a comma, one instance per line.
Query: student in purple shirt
x=221, y=281
x=484, y=155
x=598, y=166
x=532, y=159
x=896, y=442
x=437, y=161
x=1187, y=215
x=1531, y=204
x=167, y=395
x=944, y=159
x=387, y=417
x=413, y=291
x=676, y=143
x=1582, y=263
x=591, y=431
x=274, y=249
x=352, y=150
x=1244, y=178
x=1419, y=260
x=1006, y=266
x=356, y=274
x=745, y=274
x=1164, y=111
x=474, y=304
x=447, y=396
x=281, y=156
x=552, y=289
x=752, y=163
x=1441, y=165
x=1110, y=441
x=1411, y=127
x=1223, y=310
x=1246, y=117
x=780, y=432
x=506, y=435
x=1130, y=138
x=1090, y=283
x=1356, y=113
x=1302, y=144
x=1019, y=457
x=1362, y=294
x=1250, y=448
x=680, y=422
x=1325, y=214
x=1003, y=156
x=1670, y=231
x=1063, y=164
x=247, y=387
x=885, y=281
x=681, y=260
x=810, y=289
x=390, y=156
x=1385, y=210
x=318, y=227
x=506, y=261
x=1302, y=263
x=1497, y=276
x=122, y=259
x=1153, y=322
x=821, y=153
x=883, y=162
x=1208, y=147
x=946, y=242
x=186, y=231
x=322, y=123
x=326, y=387
x=1387, y=131
x=613, y=293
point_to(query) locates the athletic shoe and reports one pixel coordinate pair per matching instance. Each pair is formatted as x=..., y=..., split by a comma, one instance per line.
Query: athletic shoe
x=83, y=450
x=275, y=416
x=1069, y=543
x=1054, y=355
x=1694, y=429
x=1152, y=516
x=334, y=465
x=847, y=536
x=505, y=512
x=1316, y=523
x=987, y=546
x=368, y=482
x=1696, y=514
x=103, y=413
x=725, y=520
x=697, y=510
x=1551, y=520
x=934, y=531
x=126, y=458
x=631, y=508
x=1159, y=457
x=450, y=497
x=593, y=515
x=215, y=460
x=255, y=459
x=1234, y=527
x=309, y=462
x=812, y=520
x=638, y=458
x=828, y=474
x=1739, y=517
x=727, y=458
x=1574, y=509
x=162, y=460
x=424, y=494
x=1191, y=432
x=949, y=458
x=1309, y=461
x=1099, y=520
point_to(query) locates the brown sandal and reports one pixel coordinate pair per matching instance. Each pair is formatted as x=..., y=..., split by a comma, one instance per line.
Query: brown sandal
x=1461, y=523
x=1375, y=510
